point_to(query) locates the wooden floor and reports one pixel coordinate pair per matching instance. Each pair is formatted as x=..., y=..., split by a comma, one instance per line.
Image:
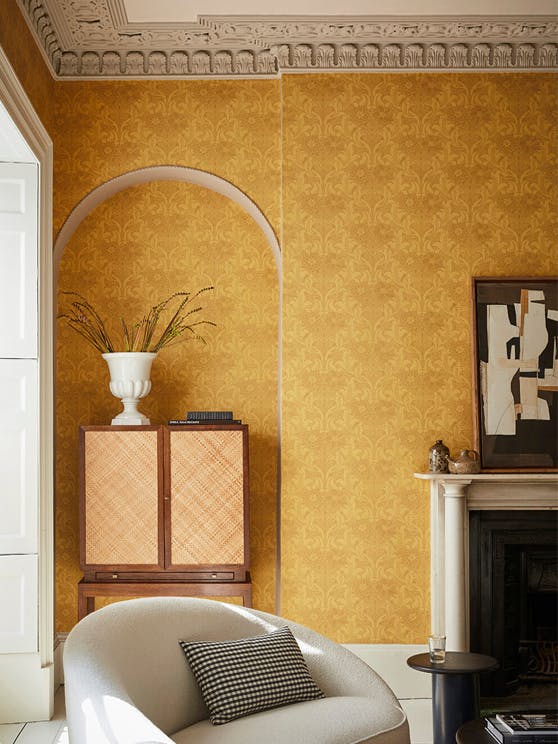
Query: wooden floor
x=41, y=732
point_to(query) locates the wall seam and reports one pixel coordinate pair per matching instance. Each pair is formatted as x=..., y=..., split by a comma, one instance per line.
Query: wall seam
x=278, y=507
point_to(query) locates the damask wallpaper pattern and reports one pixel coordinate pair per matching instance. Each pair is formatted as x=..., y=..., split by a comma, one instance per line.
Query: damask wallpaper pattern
x=389, y=192
x=397, y=190
x=148, y=241
x=24, y=55
x=132, y=251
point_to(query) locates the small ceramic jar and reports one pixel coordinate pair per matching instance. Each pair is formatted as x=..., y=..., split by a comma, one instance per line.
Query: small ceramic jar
x=468, y=462
x=438, y=458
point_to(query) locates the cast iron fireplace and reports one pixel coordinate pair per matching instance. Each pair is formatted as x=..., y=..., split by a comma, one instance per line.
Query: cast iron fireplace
x=514, y=596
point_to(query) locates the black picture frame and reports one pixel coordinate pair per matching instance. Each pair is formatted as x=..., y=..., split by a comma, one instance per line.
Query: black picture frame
x=515, y=359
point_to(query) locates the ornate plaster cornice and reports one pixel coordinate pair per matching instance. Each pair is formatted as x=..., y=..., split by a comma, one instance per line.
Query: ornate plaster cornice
x=94, y=39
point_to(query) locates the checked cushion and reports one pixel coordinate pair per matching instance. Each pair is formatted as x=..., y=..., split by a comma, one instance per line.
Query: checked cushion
x=249, y=675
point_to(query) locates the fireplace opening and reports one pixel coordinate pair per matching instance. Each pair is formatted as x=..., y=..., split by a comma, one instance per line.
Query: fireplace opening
x=514, y=602
x=538, y=647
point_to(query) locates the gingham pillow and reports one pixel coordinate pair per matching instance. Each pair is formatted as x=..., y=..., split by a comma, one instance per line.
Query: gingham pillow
x=249, y=675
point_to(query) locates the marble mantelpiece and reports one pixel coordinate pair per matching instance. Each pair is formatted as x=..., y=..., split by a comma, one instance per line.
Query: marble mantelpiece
x=451, y=499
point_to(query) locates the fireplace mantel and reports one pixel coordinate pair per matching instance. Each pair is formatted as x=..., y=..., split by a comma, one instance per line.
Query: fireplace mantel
x=451, y=499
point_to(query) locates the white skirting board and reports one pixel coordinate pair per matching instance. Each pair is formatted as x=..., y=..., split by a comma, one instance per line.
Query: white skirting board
x=412, y=688
x=58, y=651
x=26, y=688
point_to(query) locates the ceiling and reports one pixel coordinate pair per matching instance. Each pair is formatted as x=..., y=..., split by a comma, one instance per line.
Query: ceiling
x=189, y=39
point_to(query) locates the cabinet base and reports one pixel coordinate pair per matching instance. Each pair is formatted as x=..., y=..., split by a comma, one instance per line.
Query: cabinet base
x=89, y=590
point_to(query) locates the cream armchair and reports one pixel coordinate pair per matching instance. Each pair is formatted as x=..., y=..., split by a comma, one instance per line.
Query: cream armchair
x=127, y=681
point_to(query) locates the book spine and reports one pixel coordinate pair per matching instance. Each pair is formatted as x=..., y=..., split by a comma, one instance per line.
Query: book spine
x=517, y=737
x=189, y=422
x=493, y=731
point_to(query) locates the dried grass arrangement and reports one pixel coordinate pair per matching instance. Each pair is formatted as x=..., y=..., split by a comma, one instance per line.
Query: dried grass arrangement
x=142, y=335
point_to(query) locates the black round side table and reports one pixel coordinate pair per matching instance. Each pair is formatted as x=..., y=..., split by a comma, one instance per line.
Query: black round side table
x=455, y=689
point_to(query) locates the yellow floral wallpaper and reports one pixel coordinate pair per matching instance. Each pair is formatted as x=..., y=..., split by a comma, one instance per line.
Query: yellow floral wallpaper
x=229, y=128
x=20, y=48
x=389, y=192
x=397, y=190
x=151, y=240
x=133, y=250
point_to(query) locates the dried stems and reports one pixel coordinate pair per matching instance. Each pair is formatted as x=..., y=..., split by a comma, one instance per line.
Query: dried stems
x=139, y=336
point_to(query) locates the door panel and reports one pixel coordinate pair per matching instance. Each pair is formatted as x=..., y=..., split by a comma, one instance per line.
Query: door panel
x=18, y=260
x=19, y=415
x=18, y=604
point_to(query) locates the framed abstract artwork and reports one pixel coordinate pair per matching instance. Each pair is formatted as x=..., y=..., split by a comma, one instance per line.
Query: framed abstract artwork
x=515, y=352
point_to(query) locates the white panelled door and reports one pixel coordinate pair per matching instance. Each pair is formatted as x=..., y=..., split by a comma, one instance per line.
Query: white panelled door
x=26, y=408
x=18, y=260
x=19, y=408
x=19, y=432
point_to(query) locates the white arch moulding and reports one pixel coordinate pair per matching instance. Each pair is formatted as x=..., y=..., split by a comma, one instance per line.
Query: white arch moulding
x=230, y=191
x=165, y=173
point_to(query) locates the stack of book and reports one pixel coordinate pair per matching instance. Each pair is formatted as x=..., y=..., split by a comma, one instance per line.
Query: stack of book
x=532, y=727
x=206, y=417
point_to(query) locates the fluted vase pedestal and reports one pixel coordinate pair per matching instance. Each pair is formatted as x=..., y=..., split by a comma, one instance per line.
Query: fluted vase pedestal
x=130, y=380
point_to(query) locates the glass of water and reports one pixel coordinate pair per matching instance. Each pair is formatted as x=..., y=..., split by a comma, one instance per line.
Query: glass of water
x=437, y=648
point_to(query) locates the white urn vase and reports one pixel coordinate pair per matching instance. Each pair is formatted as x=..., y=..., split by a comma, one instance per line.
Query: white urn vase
x=130, y=380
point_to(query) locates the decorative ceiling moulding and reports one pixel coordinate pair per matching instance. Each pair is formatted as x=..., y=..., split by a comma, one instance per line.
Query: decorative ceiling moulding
x=93, y=39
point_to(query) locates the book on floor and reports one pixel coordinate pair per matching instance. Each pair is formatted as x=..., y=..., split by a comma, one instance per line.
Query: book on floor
x=530, y=727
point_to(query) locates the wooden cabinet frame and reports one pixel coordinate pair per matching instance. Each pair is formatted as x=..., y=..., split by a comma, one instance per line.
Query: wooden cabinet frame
x=161, y=575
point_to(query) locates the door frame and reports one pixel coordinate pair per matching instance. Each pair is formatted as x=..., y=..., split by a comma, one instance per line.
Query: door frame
x=24, y=116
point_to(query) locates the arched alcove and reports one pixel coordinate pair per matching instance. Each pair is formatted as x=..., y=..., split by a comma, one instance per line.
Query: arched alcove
x=128, y=244
x=165, y=173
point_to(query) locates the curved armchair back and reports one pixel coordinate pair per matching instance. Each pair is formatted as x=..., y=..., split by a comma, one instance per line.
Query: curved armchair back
x=124, y=661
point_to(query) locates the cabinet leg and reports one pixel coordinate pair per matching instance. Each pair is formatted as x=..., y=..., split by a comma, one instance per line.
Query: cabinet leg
x=247, y=597
x=86, y=604
x=82, y=604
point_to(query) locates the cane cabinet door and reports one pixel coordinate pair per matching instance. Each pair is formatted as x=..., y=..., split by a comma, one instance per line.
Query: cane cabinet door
x=121, y=515
x=207, y=496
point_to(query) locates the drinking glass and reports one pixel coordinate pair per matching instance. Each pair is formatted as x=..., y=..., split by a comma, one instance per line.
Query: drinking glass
x=437, y=648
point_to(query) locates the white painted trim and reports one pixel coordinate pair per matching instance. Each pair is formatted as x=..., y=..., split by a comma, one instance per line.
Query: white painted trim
x=59, y=642
x=19, y=107
x=164, y=173
x=449, y=538
x=389, y=660
x=27, y=689
x=413, y=689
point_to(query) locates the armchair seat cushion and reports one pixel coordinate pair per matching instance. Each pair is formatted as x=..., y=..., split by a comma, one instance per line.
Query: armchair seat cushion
x=335, y=720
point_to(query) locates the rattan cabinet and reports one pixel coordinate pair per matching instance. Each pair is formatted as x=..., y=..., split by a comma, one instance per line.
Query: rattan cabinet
x=163, y=510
